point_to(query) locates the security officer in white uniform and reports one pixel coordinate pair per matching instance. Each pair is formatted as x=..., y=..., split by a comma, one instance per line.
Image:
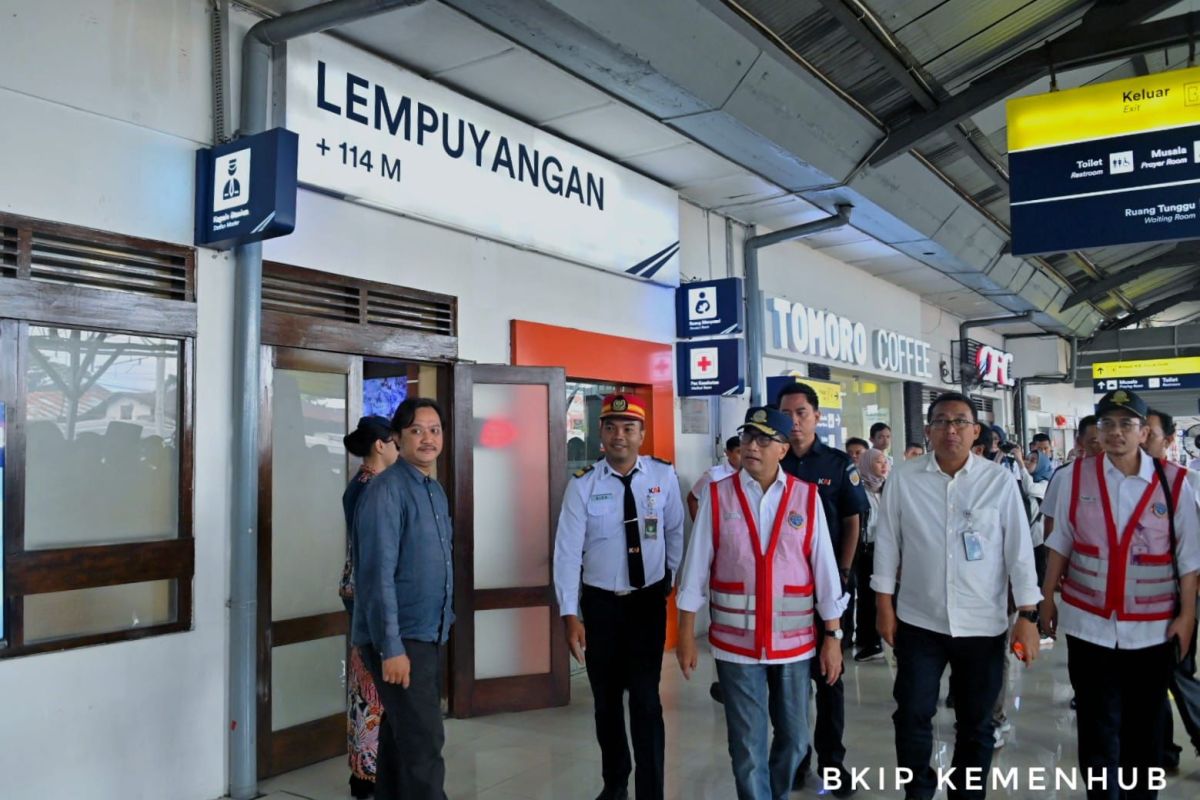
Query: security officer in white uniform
x=621, y=532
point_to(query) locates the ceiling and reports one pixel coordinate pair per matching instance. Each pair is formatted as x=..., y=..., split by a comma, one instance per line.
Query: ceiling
x=951, y=45
x=637, y=115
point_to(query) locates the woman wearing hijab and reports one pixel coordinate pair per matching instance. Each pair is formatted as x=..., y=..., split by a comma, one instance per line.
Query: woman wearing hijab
x=873, y=467
x=372, y=442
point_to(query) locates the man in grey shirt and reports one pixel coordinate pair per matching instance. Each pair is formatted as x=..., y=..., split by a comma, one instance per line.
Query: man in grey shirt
x=403, y=603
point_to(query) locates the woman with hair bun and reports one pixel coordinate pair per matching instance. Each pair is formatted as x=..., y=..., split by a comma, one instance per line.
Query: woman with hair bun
x=372, y=442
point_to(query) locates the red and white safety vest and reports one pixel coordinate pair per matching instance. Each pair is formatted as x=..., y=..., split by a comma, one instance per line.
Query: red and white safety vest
x=1132, y=575
x=762, y=605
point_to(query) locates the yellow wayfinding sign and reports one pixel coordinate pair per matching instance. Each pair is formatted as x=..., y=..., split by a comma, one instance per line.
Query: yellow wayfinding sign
x=1103, y=165
x=1136, y=105
x=1141, y=369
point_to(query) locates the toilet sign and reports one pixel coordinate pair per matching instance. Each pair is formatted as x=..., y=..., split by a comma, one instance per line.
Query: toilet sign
x=246, y=190
x=709, y=308
x=713, y=367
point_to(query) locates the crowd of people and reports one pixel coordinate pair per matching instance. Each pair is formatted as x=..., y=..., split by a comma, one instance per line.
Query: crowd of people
x=957, y=556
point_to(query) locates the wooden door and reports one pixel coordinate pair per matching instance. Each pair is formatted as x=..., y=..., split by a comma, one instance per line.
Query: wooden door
x=510, y=449
x=309, y=400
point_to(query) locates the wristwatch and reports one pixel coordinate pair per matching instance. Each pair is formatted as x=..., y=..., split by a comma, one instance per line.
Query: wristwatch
x=838, y=634
x=1032, y=616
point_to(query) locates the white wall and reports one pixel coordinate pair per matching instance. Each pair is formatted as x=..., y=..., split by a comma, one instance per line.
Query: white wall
x=103, y=105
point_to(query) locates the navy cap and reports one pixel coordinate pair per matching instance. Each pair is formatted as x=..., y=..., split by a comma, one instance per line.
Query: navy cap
x=770, y=421
x=1122, y=399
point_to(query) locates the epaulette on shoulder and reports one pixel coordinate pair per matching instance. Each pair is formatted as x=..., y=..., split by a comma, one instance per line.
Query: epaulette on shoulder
x=661, y=461
x=579, y=473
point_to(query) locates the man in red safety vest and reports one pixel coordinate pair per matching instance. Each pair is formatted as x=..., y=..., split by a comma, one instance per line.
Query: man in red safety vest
x=1127, y=547
x=761, y=557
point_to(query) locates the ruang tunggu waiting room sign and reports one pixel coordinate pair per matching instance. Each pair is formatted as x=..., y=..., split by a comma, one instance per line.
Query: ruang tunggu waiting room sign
x=375, y=133
x=1107, y=164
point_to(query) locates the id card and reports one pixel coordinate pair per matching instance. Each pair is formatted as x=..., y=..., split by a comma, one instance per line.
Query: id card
x=973, y=544
x=651, y=529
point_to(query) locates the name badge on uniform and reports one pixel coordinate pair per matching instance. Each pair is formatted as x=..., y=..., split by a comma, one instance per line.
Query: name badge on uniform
x=651, y=526
x=973, y=544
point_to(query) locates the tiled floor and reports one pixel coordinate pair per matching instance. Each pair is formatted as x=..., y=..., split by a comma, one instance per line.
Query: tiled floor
x=552, y=754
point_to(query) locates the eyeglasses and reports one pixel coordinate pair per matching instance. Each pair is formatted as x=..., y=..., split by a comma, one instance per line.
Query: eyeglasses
x=760, y=439
x=959, y=423
x=1126, y=424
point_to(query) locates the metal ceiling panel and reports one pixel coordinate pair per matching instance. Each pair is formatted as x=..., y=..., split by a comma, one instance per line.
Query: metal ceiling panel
x=616, y=129
x=960, y=38
x=726, y=192
x=525, y=85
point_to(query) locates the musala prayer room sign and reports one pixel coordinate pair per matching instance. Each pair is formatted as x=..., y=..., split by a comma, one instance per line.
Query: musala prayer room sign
x=373, y=132
x=1109, y=164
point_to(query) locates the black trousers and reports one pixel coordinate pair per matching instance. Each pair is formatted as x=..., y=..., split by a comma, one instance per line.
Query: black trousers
x=831, y=717
x=625, y=639
x=867, y=635
x=1185, y=688
x=411, y=734
x=977, y=666
x=1120, y=697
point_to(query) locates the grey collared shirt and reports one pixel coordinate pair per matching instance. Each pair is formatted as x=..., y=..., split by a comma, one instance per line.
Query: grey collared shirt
x=403, y=562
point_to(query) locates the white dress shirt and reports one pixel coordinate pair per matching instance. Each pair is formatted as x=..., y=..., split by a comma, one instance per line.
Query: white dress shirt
x=711, y=475
x=590, y=541
x=1054, y=489
x=697, y=564
x=922, y=520
x=1124, y=493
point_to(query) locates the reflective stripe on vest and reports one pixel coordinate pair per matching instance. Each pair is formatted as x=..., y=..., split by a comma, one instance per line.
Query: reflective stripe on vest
x=1131, y=575
x=762, y=604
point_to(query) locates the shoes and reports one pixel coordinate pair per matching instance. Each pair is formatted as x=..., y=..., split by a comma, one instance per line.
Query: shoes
x=802, y=771
x=1003, y=725
x=869, y=653
x=1171, y=755
x=614, y=794
x=847, y=787
x=361, y=788
x=1047, y=642
x=998, y=740
x=716, y=692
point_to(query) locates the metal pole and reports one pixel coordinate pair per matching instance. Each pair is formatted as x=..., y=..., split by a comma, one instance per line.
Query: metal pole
x=247, y=304
x=755, y=335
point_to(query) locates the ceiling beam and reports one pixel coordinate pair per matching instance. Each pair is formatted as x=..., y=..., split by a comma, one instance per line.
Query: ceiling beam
x=1174, y=259
x=875, y=39
x=1157, y=307
x=1107, y=32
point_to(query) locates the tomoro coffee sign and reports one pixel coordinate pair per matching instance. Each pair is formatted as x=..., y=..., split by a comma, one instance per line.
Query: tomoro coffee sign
x=1114, y=163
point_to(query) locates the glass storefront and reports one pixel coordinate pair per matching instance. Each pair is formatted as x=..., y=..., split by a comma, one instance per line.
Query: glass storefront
x=865, y=401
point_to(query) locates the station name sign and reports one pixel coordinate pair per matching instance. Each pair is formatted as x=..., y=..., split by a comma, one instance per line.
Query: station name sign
x=809, y=331
x=375, y=133
x=1156, y=374
x=1109, y=164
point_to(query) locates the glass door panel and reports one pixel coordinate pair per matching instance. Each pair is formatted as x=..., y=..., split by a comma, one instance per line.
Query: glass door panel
x=510, y=446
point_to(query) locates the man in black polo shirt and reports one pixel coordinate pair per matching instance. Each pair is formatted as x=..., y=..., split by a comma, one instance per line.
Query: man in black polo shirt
x=844, y=500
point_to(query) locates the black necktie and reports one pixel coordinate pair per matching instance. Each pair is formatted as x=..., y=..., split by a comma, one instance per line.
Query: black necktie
x=633, y=537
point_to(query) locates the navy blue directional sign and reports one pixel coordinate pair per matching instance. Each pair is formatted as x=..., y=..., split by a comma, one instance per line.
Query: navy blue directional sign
x=1107, y=164
x=246, y=189
x=713, y=367
x=709, y=308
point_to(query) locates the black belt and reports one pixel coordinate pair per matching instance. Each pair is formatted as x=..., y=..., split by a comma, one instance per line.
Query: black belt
x=657, y=585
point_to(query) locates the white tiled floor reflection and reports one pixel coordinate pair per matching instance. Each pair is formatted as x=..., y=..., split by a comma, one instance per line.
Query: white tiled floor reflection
x=551, y=754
